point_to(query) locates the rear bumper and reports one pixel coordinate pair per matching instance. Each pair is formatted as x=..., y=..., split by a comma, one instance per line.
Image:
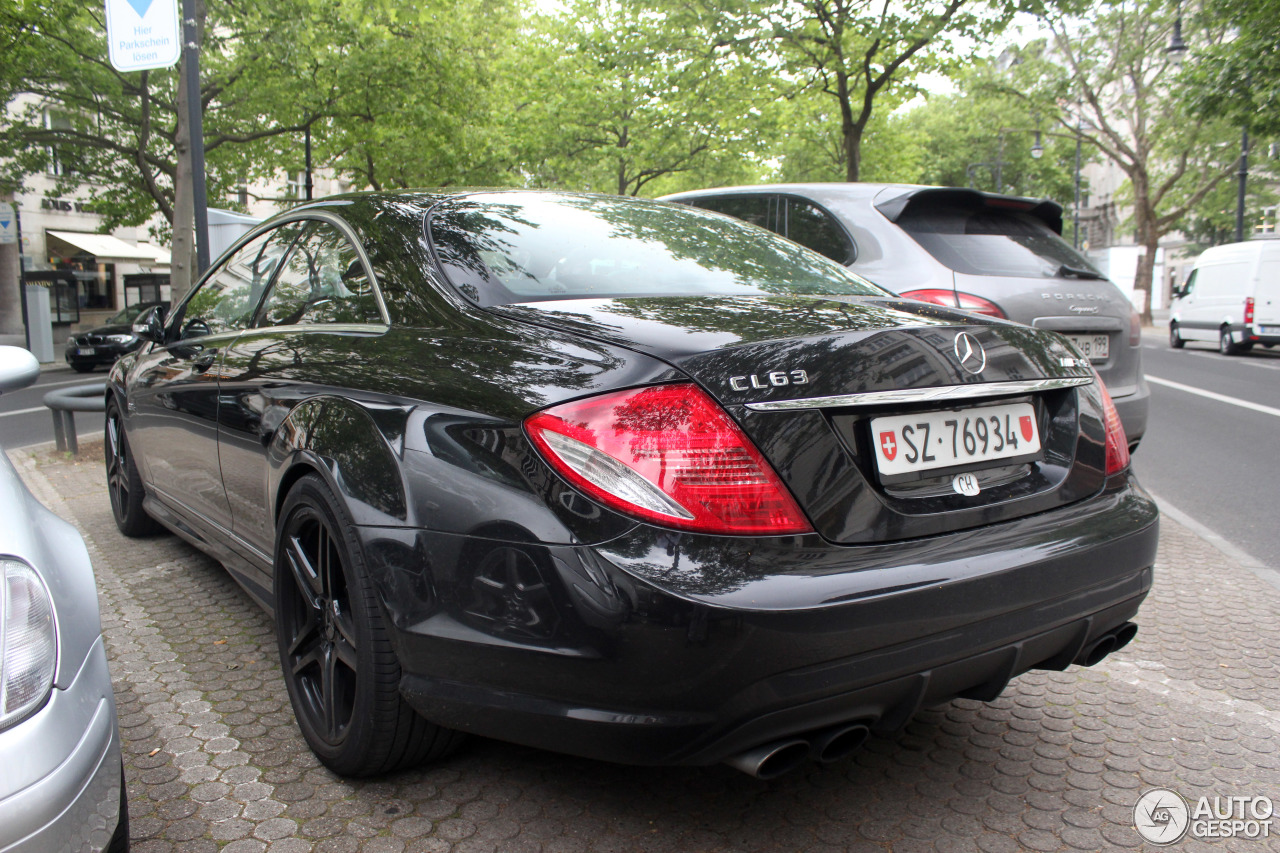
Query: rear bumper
x=1132, y=408
x=666, y=649
x=62, y=768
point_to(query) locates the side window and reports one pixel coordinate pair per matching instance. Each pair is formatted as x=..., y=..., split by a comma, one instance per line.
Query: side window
x=227, y=299
x=322, y=281
x=813, y=228
x=756, y=209
x=1190, y=286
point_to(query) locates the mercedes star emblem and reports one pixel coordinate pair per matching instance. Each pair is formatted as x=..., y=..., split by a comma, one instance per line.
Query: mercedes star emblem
x=972, y=356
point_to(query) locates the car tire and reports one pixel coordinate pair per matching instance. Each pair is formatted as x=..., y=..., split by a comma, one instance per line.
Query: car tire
x=124, y=484
x=339, y=667
x=119, y=842
x=83, y=368
x=1175, y=339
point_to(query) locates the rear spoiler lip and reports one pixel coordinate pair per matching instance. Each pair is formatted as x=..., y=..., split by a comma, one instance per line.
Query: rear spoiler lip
x=1047, y=211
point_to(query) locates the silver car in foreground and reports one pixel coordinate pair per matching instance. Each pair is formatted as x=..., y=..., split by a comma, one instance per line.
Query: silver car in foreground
x=61, y=778
x=990, y=254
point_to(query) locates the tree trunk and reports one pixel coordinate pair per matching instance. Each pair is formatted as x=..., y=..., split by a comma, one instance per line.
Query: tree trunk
x=1144, y=273
x=10, y=295
x=852, y=153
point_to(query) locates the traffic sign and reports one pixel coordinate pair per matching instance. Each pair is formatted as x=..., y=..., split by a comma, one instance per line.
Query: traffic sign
x=143, y=34
x=8, y=224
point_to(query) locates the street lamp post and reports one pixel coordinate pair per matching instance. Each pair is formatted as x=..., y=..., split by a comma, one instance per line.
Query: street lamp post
x=1244, y=180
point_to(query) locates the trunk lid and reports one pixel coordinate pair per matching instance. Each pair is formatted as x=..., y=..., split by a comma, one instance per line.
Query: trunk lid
x=775, y=363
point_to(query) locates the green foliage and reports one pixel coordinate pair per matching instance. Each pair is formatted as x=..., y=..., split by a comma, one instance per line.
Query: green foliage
x=1233, y=68
x=630, y=97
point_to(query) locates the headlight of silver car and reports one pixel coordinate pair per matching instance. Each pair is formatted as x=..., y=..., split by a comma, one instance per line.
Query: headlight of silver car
x=28, y=642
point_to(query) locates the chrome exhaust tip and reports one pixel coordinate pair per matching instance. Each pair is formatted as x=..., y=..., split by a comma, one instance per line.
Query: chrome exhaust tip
x=771, y=760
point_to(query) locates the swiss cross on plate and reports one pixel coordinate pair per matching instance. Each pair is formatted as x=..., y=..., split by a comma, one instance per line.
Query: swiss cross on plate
x=888, y=446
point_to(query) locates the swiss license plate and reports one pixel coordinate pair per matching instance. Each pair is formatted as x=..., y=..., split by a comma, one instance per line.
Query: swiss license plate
x=906, y=444
x=85, y=351
x=1094, y=347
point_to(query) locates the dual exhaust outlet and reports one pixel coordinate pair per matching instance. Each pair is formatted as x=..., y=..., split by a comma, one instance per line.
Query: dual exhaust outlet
x=774, y=759
x=827, y=745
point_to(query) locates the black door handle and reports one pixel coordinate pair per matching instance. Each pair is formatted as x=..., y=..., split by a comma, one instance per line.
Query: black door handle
x=204, y=360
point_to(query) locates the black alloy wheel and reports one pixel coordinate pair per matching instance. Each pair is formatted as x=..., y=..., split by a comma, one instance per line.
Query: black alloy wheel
x=1175, y=339
x=339, y=667
x=124, y=484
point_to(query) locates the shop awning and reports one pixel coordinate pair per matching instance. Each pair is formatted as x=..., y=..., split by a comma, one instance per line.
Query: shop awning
x=108, y=247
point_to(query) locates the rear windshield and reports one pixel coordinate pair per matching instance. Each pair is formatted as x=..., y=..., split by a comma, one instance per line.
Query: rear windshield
x=504, y=248
x=995, y=242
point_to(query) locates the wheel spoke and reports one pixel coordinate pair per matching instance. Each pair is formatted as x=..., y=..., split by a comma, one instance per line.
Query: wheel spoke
x=329, y=693
x=346, y=626
x=304, y=573
x=345, y=653
x=305, y=632
x=310, y=659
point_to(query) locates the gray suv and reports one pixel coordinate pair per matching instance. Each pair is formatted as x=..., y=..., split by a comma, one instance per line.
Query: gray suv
x=991, y=254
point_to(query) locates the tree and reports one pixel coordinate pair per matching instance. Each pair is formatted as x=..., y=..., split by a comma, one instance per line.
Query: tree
x=1117, y=82
x=379, y=87
x=627, y=97
x=857, y=51
x=1234, y=70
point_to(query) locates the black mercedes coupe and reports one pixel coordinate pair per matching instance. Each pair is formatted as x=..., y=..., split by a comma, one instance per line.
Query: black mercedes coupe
x=623, y=479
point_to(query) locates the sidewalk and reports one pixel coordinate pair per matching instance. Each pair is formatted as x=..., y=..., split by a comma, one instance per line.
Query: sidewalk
x=1056, y=763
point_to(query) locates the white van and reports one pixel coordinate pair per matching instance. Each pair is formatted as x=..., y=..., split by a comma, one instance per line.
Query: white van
x=1232, y=296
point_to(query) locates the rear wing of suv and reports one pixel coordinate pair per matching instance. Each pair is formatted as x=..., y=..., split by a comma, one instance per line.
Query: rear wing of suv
x=913, y=200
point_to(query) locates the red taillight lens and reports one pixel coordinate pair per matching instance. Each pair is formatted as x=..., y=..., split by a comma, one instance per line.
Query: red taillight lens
x=1248, y=310
x=1135, y=329
x=1117, y=443
x=668, y=454
x=956, y=299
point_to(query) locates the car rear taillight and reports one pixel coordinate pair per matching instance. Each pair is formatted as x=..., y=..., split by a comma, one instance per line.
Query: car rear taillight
x=1135, y=329
x=1117, y=443
x=956, y=299
x=668, y=454
x=1248, y=311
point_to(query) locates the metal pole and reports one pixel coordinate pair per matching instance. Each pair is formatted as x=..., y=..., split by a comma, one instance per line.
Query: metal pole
x=22, y=275
x=308, y=138
x=195, y=120
x=1244, y=178
x=1000, y=164
x=1075, y=227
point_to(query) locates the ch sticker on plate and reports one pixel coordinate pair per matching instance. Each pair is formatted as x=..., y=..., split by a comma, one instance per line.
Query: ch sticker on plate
x=923, y=441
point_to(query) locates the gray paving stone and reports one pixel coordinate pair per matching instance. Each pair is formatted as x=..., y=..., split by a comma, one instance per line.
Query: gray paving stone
x=1055, y=764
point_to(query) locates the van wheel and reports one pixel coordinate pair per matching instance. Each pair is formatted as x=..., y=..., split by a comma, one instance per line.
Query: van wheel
x=1226, y=346
x=1175, y=339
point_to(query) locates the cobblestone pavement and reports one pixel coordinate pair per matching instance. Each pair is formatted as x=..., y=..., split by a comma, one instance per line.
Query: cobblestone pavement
x=214, y=759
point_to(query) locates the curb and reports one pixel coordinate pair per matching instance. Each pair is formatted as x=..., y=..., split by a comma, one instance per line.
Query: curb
x=1241, y=558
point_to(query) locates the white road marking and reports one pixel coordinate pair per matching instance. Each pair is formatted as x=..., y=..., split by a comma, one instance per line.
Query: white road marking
x=1221, y=398
x=24, y=411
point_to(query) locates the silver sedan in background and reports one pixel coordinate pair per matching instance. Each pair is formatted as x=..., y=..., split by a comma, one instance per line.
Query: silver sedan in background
x=61, y=778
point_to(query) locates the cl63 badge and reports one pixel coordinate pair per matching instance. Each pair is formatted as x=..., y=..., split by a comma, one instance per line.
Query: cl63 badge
x=773, y=379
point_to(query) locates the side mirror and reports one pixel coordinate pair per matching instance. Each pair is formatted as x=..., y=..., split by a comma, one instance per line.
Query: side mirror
x=149, y=325
x=18, y=368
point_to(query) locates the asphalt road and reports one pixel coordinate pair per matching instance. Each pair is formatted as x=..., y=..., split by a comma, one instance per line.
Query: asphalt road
x=24, y=420
x=1216, y=460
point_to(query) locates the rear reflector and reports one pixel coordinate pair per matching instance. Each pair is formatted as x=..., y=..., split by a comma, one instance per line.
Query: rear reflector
x=1135, y=329
x=667, y=454
x=1117, y=443
x=1248, y=310
x=956, y=299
